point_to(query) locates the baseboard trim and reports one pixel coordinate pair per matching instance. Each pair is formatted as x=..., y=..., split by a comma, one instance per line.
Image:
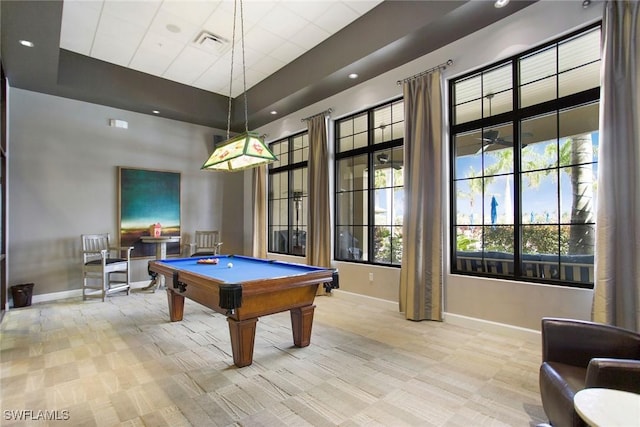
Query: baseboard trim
x=380, y=303
x=515, y=332
x=56, y=296
x=73, y=293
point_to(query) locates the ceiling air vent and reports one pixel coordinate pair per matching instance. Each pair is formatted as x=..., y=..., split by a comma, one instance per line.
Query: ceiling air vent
x=212, y=42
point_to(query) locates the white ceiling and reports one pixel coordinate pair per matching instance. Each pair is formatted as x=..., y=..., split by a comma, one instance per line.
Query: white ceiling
x=157, y=36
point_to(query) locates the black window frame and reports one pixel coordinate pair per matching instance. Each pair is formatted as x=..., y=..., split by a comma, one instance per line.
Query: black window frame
x=514, y=117
x=292, y=234
x=369, y=150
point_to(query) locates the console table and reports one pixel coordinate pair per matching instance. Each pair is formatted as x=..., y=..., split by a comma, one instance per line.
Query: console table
x=161, y=253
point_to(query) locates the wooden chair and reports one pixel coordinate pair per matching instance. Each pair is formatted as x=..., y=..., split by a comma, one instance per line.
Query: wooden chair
x=206, y=243
x=105, y=268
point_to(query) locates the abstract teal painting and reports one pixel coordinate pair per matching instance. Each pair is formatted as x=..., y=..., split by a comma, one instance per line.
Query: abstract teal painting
x=148, y=197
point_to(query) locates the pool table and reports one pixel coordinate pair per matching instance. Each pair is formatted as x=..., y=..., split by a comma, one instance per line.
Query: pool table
x=243, y=291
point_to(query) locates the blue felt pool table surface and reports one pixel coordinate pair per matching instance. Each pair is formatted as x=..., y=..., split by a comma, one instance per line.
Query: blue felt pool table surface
x=244, y=268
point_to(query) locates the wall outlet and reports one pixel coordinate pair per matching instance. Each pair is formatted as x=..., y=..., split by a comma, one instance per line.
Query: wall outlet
x=371, y=277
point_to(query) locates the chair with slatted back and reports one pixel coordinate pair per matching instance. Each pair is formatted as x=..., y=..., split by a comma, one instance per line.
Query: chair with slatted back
x=105, y=268
x=206, y=243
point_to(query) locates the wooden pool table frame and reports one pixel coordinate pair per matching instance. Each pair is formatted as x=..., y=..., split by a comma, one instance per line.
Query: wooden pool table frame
x=259, y=298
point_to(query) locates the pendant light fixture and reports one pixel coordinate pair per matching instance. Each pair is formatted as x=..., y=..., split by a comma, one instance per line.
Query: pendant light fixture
x=248, y=149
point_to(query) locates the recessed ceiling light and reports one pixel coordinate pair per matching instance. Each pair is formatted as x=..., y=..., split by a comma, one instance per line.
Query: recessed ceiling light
x=353, y=76
x=500, y=3
x=156, y=112
x=274, y=112
x=26, y=43
x=173, y=28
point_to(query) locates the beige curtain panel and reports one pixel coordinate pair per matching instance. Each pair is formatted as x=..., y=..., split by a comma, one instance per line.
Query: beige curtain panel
x=260, y=212
x=617, y=263
x=422, y=236
x=319, y=231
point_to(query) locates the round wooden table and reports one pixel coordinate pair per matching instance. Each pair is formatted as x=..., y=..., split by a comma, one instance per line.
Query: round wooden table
x=603, y=407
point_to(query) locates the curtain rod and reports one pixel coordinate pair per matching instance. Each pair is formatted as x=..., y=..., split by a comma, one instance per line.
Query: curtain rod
x=321, y=113
x=443, y=66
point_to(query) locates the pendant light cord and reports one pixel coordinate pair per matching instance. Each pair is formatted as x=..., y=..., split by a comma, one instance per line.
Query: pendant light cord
x=244, y=72
x=233, y=50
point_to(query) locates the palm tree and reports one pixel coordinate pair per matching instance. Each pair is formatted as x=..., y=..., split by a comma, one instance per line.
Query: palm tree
x=576, y=151
x=582, y=235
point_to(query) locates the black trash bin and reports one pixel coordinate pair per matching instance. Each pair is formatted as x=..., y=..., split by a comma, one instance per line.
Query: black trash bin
x=22, y=295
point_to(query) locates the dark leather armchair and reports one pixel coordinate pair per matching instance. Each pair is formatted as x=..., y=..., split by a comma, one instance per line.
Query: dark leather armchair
x=579, y=354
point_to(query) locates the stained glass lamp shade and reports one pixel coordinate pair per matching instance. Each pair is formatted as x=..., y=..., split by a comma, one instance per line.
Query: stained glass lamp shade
x=244, y=151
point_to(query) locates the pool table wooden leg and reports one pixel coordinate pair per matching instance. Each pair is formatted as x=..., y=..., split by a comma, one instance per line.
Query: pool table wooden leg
x=176, y=306
x=243, y=335
x=301, y=322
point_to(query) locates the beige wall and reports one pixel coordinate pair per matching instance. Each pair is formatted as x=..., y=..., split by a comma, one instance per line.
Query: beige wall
x=63, y=160
x=515, y=303
x=511, y=303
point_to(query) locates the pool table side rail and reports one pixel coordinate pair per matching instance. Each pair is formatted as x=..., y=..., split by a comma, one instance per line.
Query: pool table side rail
x=249, y=287
x=259, y=297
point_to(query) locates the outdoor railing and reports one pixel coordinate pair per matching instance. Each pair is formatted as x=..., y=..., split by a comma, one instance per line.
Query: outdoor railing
x=569, y=268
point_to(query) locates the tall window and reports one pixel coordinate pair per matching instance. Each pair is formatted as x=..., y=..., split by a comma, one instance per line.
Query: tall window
x=288, y=195
x=369, y=185
x=524, y=139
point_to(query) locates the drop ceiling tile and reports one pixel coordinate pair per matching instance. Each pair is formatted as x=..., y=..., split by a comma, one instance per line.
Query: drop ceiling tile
x=253, y=77
x=310, y=36
x=336, y=18
x=253, y=11
x=362, y=6
x=223, y=66
x=113, y=51
x=220, y=23
x=116, y=40
x=120, y=31
x=238, y=87
x=194, y=12
x=150, y=62
x=155, y=54
x=215, y=79
x=174, y=27
x=133, y=11
x=189, y=65
x=287, y=52
x=283, y=22
x=160, y=45
x=77, y=39
x=79, y=21
x=251, y=57
x=308, y=10
x=263, y=40
x=268, y=65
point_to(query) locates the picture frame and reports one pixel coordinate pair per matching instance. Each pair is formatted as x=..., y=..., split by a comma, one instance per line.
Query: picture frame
x=148, y=197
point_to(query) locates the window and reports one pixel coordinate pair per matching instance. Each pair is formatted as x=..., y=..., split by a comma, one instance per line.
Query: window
x=524, y=141
x=369, y=206
x=288, y=195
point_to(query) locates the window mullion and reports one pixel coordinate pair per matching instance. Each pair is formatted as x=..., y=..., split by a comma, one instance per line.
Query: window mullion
x=370, y=188
x=517, y=177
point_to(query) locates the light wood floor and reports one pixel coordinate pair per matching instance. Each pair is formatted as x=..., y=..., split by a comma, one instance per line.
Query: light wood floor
x=122, y=363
